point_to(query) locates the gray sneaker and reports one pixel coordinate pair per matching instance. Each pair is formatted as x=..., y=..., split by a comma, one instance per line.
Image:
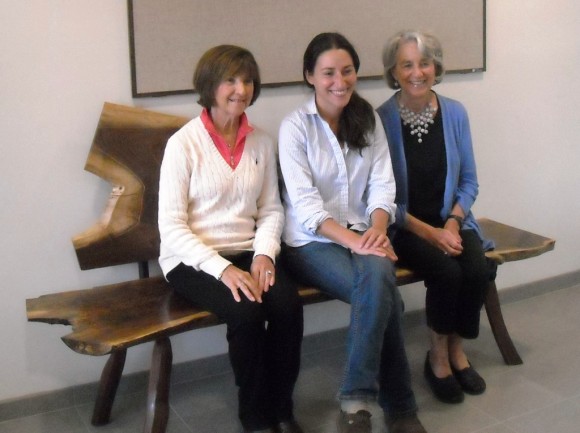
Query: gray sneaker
x=359, y=422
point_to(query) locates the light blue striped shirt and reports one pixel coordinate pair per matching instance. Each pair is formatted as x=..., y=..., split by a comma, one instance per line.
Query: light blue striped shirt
x=322, y=180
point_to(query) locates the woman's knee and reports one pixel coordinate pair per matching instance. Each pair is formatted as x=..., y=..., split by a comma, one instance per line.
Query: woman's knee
x=382, y=267
x=479, y=275
x=448, y=275
x=244, y=313
x=378, y=281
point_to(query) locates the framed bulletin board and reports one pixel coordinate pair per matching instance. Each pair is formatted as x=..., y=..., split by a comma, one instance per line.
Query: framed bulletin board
x=168, y=37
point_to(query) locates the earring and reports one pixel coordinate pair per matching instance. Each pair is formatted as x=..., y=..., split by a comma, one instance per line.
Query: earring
x=396, y=83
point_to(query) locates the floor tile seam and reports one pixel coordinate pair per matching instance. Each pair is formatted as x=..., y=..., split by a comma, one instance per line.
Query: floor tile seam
x=73, y=408
x=500, y=423
x=176, y=414
x=468, y=402
x=86, y=422
x=574, y=399
x=200, y=378
x=49, y=411
x=523, y=377
x=514, y=418
x=559, y=400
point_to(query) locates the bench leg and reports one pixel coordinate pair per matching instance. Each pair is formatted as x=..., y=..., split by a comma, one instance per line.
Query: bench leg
x=158, y=391
x=110, y=378
x=500, y=332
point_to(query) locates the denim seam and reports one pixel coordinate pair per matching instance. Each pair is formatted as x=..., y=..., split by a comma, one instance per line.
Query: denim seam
x=355, y=329
x=355, y=299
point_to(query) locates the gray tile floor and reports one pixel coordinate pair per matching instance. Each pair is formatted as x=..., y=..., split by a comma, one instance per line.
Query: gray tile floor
x=542, y=395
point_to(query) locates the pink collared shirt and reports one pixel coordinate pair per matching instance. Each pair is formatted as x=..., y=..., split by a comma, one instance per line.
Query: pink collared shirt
x=231, y=156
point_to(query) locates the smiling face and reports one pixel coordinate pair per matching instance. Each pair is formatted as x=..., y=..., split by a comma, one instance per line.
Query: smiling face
x=334, y=79
x=414, y=73
x=232, y=97
x=222, y=66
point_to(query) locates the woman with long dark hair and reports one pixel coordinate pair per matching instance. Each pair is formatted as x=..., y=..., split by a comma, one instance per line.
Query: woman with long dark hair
x=338, y=195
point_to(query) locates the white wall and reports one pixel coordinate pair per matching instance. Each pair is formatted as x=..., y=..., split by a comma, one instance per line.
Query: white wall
x=62, y=59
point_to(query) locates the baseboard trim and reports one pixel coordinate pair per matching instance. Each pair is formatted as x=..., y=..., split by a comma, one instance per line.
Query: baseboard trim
x=218, y=365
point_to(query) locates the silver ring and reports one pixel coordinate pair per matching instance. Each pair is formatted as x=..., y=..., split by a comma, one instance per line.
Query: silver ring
x=268, y=272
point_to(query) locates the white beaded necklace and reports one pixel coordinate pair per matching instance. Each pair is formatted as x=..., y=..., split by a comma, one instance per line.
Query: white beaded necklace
x=418, y=122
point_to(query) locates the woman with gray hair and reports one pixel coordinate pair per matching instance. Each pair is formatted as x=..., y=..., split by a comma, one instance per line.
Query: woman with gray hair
x=435, y=232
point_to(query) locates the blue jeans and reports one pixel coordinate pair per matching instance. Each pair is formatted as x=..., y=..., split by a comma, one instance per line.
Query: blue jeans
x=376, y=362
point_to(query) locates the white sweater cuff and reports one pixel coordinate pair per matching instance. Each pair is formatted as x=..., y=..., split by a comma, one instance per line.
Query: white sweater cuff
x=215, y=266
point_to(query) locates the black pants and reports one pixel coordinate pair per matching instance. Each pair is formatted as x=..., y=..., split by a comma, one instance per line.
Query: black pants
x=264, y=339
x=456, y=286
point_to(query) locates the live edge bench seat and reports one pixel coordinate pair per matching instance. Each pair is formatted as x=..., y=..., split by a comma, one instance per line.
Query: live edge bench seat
x=127, y=151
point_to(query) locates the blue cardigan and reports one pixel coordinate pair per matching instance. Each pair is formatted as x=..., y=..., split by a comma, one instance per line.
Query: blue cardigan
x=461, y=181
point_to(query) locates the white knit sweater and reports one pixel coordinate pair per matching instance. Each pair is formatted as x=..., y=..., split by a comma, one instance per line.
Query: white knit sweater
x=205, y=206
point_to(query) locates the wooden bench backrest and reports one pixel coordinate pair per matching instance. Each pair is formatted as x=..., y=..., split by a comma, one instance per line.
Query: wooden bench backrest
x=127, y=151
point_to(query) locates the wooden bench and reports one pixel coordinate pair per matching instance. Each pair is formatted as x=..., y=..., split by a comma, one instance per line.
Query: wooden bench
x=127, y=151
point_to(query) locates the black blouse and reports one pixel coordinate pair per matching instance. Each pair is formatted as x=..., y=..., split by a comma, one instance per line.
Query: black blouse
x=426, y=172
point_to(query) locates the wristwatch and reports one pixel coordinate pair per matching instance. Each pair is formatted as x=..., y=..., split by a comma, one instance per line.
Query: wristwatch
x=456, y=218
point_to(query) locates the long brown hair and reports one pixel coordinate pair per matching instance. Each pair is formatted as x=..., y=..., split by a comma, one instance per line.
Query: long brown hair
x=357, y=119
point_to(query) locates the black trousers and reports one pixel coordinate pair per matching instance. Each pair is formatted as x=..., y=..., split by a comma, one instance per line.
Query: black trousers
x=264, y=339
x=456, y=286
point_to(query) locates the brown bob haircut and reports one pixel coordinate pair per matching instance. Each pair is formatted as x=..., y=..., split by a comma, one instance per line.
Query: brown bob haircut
x=219, y=64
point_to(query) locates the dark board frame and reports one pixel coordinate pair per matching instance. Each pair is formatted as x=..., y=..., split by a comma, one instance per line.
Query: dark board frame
x=167, y=37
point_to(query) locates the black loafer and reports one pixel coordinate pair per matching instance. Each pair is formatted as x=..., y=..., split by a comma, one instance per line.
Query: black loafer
x=288, y=427
x=406, y=424
x=447, y=389
x=470, y=380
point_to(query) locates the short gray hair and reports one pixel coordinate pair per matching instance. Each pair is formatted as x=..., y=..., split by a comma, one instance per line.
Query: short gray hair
x=428, y=45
